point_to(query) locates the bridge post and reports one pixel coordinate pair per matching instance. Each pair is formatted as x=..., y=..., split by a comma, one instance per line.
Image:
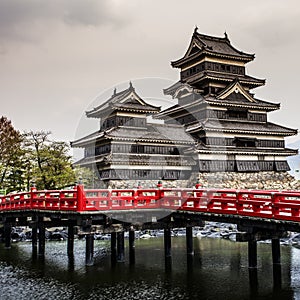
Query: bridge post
x=120, y=246
x=81, y=205
x=167, y=242
x=189, y=240
x=276, y=250
x=34, y=237
x=7, y=235
x=42, y=240
x=70, y=245
x=252, y=253
x=113, y=247
x=89, y=249
x=131, y=246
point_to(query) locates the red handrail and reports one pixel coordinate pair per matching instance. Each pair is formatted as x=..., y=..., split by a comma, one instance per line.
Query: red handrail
x=281, y=205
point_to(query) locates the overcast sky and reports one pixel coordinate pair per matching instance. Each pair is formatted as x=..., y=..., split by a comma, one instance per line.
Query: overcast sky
x=57, y=56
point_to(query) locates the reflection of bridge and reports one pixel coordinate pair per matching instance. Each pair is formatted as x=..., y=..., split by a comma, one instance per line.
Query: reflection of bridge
x=259, y=215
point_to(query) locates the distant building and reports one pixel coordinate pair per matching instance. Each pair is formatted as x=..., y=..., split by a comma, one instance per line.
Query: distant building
x=215, y=125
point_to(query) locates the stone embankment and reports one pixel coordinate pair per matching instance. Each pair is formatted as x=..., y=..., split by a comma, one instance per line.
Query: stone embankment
x=259, y=180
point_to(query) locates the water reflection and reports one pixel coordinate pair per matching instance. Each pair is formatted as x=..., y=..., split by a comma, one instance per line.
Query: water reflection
x=217, y=270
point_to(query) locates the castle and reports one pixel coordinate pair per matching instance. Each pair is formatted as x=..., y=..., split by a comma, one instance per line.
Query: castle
x=216, y=128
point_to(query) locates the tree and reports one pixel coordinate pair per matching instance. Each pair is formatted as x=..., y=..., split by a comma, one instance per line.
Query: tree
x=86, y=176
x=50, y=163
x=10, y=156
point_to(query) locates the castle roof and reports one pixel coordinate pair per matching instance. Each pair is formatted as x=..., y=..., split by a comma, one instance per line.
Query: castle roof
x=202, y=44
x=241, y=127
x=152, y=133
x=126, y=100
x=250, y=81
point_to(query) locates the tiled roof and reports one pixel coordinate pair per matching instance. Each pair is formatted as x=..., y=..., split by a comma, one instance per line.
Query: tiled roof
x=153, y=132
x=245, y=127
x=174, y=134
x=218, y=46
x=225, y=77
x=242, y=102
x=125, y=100
x=234, y=150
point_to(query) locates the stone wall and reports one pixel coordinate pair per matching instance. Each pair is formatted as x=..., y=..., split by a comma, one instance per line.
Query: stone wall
x=260, y=180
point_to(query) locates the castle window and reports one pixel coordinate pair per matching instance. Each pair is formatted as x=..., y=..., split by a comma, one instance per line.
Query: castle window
x=237, y=114
x=245, y=142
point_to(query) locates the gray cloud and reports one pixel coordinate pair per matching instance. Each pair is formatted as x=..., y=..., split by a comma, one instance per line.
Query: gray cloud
x=274, y=24
x=31, y=19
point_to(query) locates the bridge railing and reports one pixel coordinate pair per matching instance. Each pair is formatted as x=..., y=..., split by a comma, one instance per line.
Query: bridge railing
x=286, y=206
x=41, y=200
x=281, y=205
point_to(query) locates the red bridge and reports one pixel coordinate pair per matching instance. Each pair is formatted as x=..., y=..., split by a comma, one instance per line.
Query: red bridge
x=259, y=214
x=276, y=205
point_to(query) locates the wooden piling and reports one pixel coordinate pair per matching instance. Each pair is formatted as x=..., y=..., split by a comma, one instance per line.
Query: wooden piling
x=7, y=235
x=70, y=245
x=89, y=249
x=131, y=246
x=113, y=247
x=167, y=242
x=42, y=238
x=189, y=240
x=120, y=247
x=252, y=253
x=276, y=251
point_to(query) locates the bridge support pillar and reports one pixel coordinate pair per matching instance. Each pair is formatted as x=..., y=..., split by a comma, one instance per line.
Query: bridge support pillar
x=167, y=242
x=252, y=253
x=189, y=240
x=70, y=245
x=89, y=249
x=276, y=251
x=42, y=239
x=113, y=247
x=131, y=246
x=34, y=238
x=7, y=235
x=120, y=247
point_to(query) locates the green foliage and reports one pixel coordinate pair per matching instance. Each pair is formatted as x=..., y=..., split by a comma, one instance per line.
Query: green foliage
x=86, y=176
x=11, y=167
x=32, y=158
x=50, y=163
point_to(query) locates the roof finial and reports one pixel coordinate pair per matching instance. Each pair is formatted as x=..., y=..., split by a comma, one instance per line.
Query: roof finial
x=130, y=85
x=115, y=91
x=196, y=29
x=226, y=36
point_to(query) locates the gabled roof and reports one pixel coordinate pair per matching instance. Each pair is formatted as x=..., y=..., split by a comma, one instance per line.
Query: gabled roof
x=235, y=93
x=209, y=45
x=235, y=87
x=126, y=100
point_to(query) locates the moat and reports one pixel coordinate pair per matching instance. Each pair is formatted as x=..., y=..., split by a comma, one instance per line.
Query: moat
x=218, y=270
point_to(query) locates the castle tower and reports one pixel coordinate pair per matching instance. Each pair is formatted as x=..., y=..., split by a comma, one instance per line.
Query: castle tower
x=218, y=108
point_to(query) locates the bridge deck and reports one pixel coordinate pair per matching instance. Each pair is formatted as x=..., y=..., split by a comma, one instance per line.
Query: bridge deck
x=150, y=205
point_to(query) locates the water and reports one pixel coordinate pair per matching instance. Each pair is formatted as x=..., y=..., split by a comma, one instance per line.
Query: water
x=218, y=270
